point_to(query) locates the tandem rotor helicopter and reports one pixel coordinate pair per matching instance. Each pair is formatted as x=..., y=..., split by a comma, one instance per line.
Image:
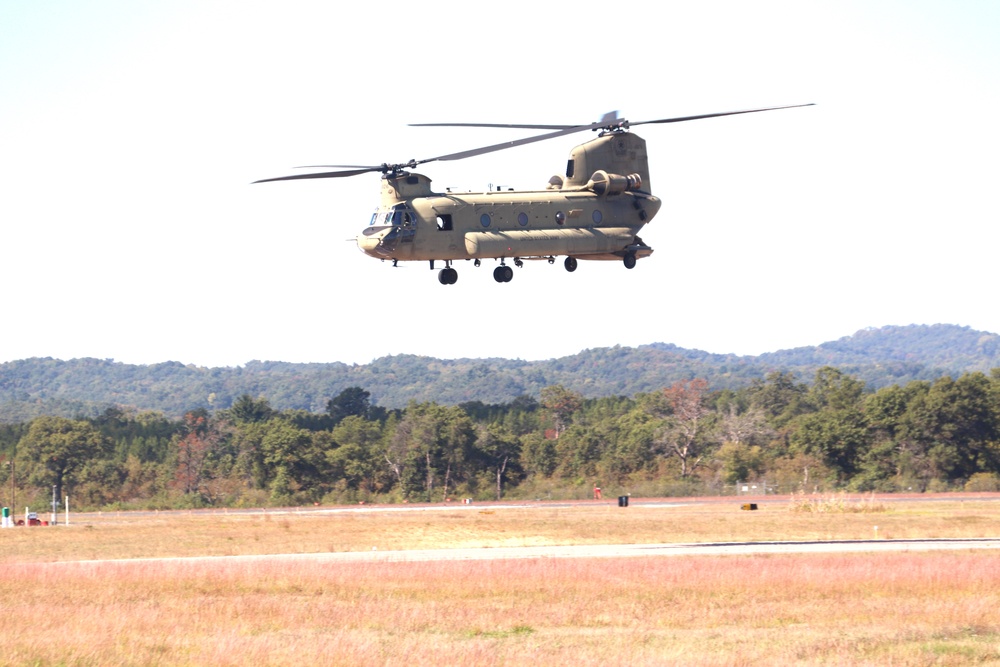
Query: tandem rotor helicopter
x=594, y=212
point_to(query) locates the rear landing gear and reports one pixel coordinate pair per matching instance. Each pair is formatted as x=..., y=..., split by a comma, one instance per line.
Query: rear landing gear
x=629, y=260
x=448, y=276
x=570, y=264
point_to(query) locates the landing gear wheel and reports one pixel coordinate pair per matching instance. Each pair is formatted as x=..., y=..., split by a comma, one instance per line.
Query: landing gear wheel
x=448, y=276
x=503, y=274
x=629, y=260
x=570, y=264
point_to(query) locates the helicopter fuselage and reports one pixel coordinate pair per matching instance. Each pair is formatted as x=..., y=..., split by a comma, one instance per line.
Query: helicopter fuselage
x=505, y=225
x=593, y=213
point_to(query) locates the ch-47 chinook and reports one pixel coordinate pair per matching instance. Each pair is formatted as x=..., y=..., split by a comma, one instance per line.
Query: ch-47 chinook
x=593, y=212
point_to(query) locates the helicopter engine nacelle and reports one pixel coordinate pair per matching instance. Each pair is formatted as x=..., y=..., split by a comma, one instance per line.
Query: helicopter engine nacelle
x=604, y=184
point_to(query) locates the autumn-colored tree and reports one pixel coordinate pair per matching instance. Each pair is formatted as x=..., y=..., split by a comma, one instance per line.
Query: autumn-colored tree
x=561, y=404
x=193, y=448
x=684, y=435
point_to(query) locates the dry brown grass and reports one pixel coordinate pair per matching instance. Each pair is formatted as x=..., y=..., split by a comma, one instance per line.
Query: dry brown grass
x=879, y=609
x=840, y=503
x=899, y=609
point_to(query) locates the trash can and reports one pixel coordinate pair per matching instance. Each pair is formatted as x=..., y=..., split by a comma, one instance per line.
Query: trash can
x=622, y=501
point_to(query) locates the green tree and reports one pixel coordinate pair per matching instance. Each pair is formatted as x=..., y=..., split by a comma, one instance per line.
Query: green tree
x=955, y=427
x=629, y=450
x=538, y=455
x=353, y=401
x=501, y=448
x=356, y=458
x=779, y=396
x=429, y=443
x=740, y=462
x=247, y=409
x=294, y=457
x=56, y=448
x=839, y=437
x=835, y=390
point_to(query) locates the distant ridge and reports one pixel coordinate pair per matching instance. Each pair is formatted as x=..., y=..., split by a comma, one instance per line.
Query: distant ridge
x=879, y=356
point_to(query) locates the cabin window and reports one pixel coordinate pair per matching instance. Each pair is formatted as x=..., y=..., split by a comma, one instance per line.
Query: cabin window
x=444, y=223
x=522, y=219
x=597, y=216
x=569, y=168
x=484, y=219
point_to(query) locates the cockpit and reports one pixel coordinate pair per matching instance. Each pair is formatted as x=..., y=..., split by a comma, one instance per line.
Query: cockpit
x=395, y=216
x=388, y=232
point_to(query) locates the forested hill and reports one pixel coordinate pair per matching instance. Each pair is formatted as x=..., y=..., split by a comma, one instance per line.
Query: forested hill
x=84, y=387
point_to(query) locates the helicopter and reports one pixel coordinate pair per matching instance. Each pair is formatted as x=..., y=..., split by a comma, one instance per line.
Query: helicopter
x=593, y=212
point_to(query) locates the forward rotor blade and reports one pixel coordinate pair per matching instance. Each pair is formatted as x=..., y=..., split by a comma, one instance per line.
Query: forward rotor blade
x=373, y=167
x=609, y=118
x=325, y=174
x=507, y=126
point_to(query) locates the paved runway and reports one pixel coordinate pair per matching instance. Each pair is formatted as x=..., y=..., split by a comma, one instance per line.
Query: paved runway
x=596, y=551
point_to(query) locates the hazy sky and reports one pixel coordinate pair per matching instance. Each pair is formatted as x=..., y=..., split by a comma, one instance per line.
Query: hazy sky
x=130, y=133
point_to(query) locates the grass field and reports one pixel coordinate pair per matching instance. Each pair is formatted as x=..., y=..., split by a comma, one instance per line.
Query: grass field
x=878, y=609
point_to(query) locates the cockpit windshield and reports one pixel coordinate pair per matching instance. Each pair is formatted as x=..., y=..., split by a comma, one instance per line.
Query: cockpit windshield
x=398, y=215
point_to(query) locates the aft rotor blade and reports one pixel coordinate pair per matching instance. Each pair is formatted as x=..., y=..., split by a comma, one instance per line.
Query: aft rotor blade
x=562, y=131
x=716, y=115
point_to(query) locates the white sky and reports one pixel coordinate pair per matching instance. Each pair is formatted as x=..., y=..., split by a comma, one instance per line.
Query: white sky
x=130, y=133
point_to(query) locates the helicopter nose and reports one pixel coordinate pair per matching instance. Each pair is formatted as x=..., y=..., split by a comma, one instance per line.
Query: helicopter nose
x=367, y=243
x=376, y=241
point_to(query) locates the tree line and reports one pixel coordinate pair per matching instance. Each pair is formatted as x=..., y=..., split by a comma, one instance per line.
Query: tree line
x=777, y=434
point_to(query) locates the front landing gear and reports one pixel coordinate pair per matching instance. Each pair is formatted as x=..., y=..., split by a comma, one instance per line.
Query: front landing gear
x=503, y=274
x=629, y=260
x=448, y=276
